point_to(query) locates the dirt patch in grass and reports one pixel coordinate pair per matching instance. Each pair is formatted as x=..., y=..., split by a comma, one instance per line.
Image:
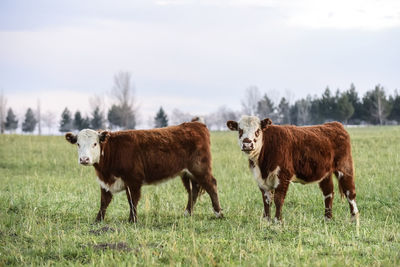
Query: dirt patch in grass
x=102, y=230
x=120, y=246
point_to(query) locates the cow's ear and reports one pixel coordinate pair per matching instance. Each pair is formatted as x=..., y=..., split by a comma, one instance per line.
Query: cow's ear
x=103, y=135
x=70, y=137
x=232, y=125
x=265, y=123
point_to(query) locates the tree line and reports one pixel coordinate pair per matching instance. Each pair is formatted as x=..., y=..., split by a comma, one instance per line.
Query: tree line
x=121, y=115
x=374, y=107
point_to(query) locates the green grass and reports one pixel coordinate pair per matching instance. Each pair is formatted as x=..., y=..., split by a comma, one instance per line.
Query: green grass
x=48, y=205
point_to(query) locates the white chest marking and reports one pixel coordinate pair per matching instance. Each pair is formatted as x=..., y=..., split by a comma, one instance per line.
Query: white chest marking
x=271, y=182
x=115, y=187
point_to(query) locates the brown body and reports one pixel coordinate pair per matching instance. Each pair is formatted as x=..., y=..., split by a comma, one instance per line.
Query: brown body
x=141, y=157
x=300, y=154
x=311, y=154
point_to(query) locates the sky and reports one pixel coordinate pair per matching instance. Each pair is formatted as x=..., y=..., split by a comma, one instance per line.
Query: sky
x=193, y=55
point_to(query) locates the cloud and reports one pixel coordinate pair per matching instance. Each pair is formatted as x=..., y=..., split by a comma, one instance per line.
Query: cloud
x=344, y=14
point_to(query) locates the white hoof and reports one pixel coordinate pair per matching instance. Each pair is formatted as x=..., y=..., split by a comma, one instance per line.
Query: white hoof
x=186, y=213
x=219, y=214
x=277, y=221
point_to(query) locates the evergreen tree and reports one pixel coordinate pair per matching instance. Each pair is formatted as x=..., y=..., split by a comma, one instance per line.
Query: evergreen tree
x=265, y=108
x=327, y=105
x=80, y=122
x=121, y=116
x=315, y=111
x=161, y=119
x=345, y=108
x=395, y=103
x=284, y=111
x=353, y=98
x=30, y=121
x=85, y=123
x=66, y=123
x=97, y=121
x=11, y=121
x=114, y=116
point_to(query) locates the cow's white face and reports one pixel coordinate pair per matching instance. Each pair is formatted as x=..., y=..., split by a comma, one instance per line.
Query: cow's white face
x=250, y=130
x=88, y=142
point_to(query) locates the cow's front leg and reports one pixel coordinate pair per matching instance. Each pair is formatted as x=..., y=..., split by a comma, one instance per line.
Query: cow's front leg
x=279, y=195
x=267, y=200
x=105, y=200
x=133, y=194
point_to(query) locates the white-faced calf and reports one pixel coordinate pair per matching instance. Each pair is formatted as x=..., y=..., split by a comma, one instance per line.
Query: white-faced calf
x=126, y=160
x=279, y=155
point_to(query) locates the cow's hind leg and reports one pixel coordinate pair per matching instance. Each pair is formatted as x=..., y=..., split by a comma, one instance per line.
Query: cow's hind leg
x=209, y=183
x=193, y=189
x=347, y=187
x=133, y=195
x=326, y=186
x=105, y=200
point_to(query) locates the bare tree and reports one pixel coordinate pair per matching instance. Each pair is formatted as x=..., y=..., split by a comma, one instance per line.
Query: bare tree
x=123, y=92
x=49, y=120
x=179, y=117
x=217, y=120
x=250, y=101
x=3, y=104
x=380, y=111
x=97, y=101
x=303, y=111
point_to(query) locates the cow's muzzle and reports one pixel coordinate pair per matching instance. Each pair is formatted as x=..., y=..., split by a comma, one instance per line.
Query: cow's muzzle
x=247, y=145
x=84, y=160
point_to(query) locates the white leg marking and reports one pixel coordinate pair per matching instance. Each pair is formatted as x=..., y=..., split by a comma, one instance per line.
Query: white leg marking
x=218, y=214
x=327, y=196
x=186, y=214
x=340, y=175
x=268, y=197
x=352, y=202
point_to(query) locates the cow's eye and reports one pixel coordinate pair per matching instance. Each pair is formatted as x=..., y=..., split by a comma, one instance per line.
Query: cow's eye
x=78, y=145
x=95, y=144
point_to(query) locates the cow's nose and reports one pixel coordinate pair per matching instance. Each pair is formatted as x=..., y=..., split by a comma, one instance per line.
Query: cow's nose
x=84, y=160
x=246, y=140
x=247, y=146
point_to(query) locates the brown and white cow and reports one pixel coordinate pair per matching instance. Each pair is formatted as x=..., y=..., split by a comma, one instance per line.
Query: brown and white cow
x=126, y=160
x=279, y=155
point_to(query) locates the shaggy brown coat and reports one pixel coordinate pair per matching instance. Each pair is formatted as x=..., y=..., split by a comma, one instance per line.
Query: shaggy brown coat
x=141, y=157
x=306, y=155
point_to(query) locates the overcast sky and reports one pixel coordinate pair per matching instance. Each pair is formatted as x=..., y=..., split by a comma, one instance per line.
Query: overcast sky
x=193, y=55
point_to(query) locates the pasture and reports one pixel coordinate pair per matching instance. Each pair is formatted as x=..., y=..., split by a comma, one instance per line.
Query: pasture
x=48, y=204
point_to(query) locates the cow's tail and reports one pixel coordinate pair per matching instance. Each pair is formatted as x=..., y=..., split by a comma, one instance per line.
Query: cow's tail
x=201, y=189
x=190, y=184
x=339, y=176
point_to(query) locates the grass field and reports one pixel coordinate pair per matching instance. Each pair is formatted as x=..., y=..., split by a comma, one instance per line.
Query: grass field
x=48, y=204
